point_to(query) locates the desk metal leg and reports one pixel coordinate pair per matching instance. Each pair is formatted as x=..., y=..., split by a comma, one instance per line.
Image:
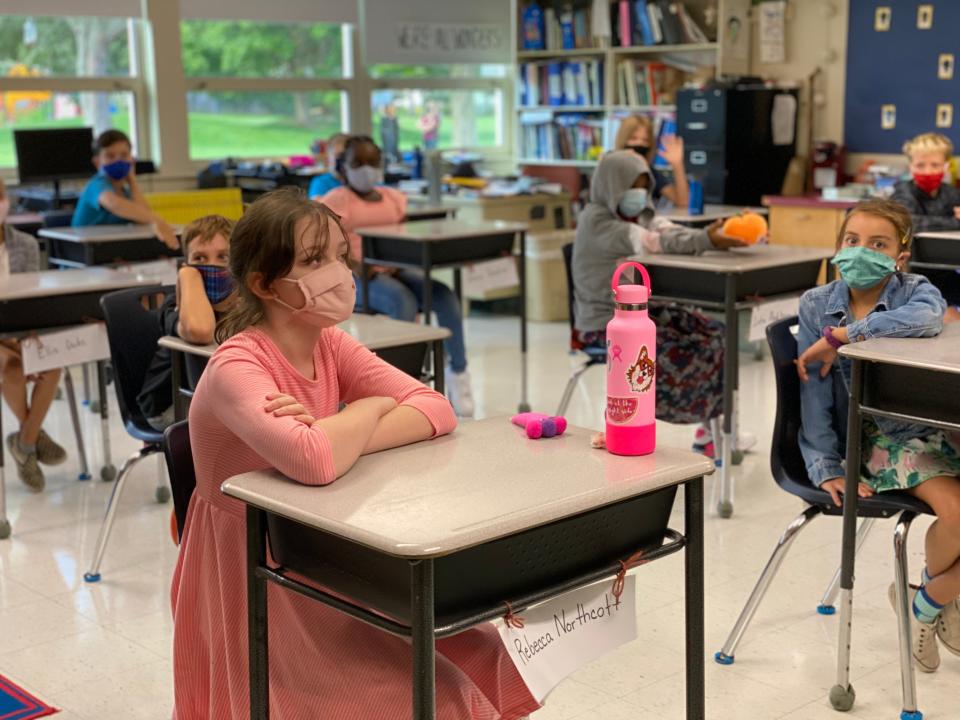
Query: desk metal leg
x=75, y=418
x=725, y=506
x=524, y=400
x=842, y=695
x=422, y=637
x=176, y=368
x=257, y=615
x=86, y=383
x=438, y=376
x=427, y=265
x=364, y=282
x=693, y=595
x=458, y=288
x=108, y=471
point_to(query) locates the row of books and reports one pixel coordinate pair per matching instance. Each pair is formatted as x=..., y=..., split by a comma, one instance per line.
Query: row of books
x=561, y=83
x=653, y=22
x=564, y=137
x=647, y=83
x=563, y=28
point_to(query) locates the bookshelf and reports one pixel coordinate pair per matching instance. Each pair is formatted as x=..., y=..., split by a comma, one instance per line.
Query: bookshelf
x=630, y=76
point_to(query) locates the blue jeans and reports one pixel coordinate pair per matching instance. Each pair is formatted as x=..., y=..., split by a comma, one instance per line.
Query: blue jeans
x=401, y=296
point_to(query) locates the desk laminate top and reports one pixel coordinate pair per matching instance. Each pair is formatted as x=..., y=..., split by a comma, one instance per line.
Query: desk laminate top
x=710, y=213
x=439, y=230
x=738, y=260
x=483, y=482
x=48, y=283
x=375, y=332
x=102, y=233
x=941, y=353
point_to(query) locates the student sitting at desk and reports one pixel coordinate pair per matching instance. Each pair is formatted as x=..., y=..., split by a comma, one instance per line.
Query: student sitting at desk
x=112, y=196
x=205, y=290
x=876, y=298
x=270, y=398
x=636, y=133
x=397, y=293
x=322, y=184
x=30, y=445
x=618, y=222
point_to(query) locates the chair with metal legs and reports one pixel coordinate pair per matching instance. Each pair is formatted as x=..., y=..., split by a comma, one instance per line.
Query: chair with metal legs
x=789, y=472
x=132, y=331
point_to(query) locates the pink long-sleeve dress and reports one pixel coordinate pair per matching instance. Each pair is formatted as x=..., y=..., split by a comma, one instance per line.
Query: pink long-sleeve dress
x=324, y=665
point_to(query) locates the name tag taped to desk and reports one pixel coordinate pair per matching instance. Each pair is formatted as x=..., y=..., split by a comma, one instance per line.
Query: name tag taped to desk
x=770, y=312
x=483, y=277
x=562, y=635
x=74, y=346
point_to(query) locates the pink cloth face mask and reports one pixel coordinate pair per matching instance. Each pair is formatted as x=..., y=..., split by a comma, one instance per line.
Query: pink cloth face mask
x=329, y=294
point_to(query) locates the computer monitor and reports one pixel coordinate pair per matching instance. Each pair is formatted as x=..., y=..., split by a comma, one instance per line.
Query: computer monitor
x=55, y=154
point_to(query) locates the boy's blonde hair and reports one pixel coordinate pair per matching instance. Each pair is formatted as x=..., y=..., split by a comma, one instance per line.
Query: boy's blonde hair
x=628, y=127
x=893, y=212
x=204, y=229
x=929, y=142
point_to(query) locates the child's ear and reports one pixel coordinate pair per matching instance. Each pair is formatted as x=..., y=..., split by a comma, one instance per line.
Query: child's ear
x=257, y=287
x=902, y=259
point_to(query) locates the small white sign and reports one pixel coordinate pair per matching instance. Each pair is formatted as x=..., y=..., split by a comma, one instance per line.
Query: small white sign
x=483, y=277
x=564, y=634
x=74, y=346
x=769, y=312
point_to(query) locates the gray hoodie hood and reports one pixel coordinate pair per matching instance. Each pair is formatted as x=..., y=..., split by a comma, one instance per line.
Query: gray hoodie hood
x=615, y=174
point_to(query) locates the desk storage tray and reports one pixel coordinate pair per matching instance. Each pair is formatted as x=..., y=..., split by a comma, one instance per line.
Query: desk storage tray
x=941, y=251
x=442, y=252
x=481, y=577
x=709, y=286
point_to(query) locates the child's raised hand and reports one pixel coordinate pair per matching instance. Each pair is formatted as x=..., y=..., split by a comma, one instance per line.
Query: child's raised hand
x=720, y=239
x=672, y=149
x=287, y=406
x=822, y=352
x=835, y=488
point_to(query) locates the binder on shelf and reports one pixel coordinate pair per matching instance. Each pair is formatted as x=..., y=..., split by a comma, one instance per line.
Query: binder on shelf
x=656, y=22
x=691, y=30
x=643, y=21
x=670, y=22
x=567, y=38
x=581, y=28
x=555, y=83
x=626, y=36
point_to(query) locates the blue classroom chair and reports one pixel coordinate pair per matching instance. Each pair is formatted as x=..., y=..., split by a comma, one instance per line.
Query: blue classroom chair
x=789, y=472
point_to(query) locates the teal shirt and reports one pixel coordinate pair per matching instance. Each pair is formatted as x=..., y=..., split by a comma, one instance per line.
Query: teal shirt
x=322, y=184
x=89, y=211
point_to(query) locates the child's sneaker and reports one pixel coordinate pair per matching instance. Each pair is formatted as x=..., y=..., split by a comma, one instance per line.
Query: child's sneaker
x=460, y=392
x=948, y=627
x=926, y=654
x=48, y=451
x=27, y=469
x=703, y=442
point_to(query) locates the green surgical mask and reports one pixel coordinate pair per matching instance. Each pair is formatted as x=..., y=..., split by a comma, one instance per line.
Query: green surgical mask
x=863, y=268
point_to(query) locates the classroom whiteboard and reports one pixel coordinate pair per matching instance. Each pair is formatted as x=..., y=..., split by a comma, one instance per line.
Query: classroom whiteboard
x=430, y=32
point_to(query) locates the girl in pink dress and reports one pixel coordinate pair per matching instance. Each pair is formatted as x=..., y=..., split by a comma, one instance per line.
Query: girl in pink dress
x=270, y=398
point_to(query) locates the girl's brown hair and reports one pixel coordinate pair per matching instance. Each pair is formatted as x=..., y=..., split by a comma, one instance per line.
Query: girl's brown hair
x=265, y=240
x=628, y=127
x=893, y=212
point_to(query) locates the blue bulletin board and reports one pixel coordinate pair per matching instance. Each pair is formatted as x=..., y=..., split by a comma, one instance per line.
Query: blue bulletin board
x=903, y=73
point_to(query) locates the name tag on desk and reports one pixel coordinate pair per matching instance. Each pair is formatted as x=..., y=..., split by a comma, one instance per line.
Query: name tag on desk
x=770, y=312
x=483, y=277
x=563, y=635
x=74, y=346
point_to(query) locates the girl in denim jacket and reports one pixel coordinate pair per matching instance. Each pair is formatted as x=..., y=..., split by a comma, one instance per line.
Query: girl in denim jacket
x=875, y=298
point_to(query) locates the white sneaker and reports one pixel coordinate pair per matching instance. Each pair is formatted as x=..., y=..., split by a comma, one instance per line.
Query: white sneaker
x=459, y=392
x=926, y=653
x=948, y=627
x=745, y=440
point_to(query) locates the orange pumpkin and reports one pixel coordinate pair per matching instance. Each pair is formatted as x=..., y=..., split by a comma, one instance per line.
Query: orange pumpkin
x=748, y=226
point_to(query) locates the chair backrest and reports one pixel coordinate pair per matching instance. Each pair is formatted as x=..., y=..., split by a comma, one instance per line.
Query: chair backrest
x=183, y=479
x=568, y=266
x=132, y=331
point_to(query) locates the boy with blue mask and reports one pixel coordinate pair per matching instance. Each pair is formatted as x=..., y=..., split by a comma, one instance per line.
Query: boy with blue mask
x=112, y=196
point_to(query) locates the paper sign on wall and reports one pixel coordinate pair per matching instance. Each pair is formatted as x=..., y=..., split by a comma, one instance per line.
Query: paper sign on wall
x=483, y=277
x=74, y=346
x=568, y=632
x=769, y=312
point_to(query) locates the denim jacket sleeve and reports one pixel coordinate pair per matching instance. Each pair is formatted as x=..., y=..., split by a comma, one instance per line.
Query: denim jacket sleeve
x=920, y=316
x=819, y=442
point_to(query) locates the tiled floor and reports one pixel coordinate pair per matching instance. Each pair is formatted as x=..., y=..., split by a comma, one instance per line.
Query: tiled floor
x=103, y=651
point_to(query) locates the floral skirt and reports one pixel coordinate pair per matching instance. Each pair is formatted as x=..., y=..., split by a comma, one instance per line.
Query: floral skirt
x=891, y=465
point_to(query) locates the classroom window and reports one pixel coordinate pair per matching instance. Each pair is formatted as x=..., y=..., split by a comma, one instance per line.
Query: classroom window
x=65, y=47
x=248, y=49
x=257, y=124
x=47, y=109
x=438, y=71
x=440, y=118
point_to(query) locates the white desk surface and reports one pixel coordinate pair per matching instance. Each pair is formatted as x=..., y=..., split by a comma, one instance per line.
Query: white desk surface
x=375, y=332
x=710, y=213
x=483, y=482
x=439, y=230
x=942, y=235
x=102, y=233
x=737, y=260
x=47, y=283
x=941, y=353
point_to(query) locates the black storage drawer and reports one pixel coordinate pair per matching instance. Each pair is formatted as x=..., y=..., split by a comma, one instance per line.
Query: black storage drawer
x=701, y=117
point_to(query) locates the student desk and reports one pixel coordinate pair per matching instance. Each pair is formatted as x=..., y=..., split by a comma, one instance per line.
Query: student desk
x=427, y=540
x=682, y=216
x=402, y=344
x=429, y=212
x=936, y=251
x=447, y=244
x=909, y=379
x=103, y=245
x=731, y=281
x=51, y=299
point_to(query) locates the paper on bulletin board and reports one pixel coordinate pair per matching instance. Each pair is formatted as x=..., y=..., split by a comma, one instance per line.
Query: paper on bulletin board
x=770, y=312
x=480, y=278
x=566, y=633
x=73, y=346
x=773, y=15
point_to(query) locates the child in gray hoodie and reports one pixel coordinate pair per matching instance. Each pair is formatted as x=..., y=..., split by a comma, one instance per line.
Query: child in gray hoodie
x=620, y=222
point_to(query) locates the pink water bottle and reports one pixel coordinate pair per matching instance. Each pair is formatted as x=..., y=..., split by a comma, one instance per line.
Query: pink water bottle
x=631, y=369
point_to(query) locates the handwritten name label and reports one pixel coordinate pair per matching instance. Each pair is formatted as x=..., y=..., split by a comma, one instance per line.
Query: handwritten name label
x=571, y=631
x=770, y=312
x=481, y=278
x=74, y=346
